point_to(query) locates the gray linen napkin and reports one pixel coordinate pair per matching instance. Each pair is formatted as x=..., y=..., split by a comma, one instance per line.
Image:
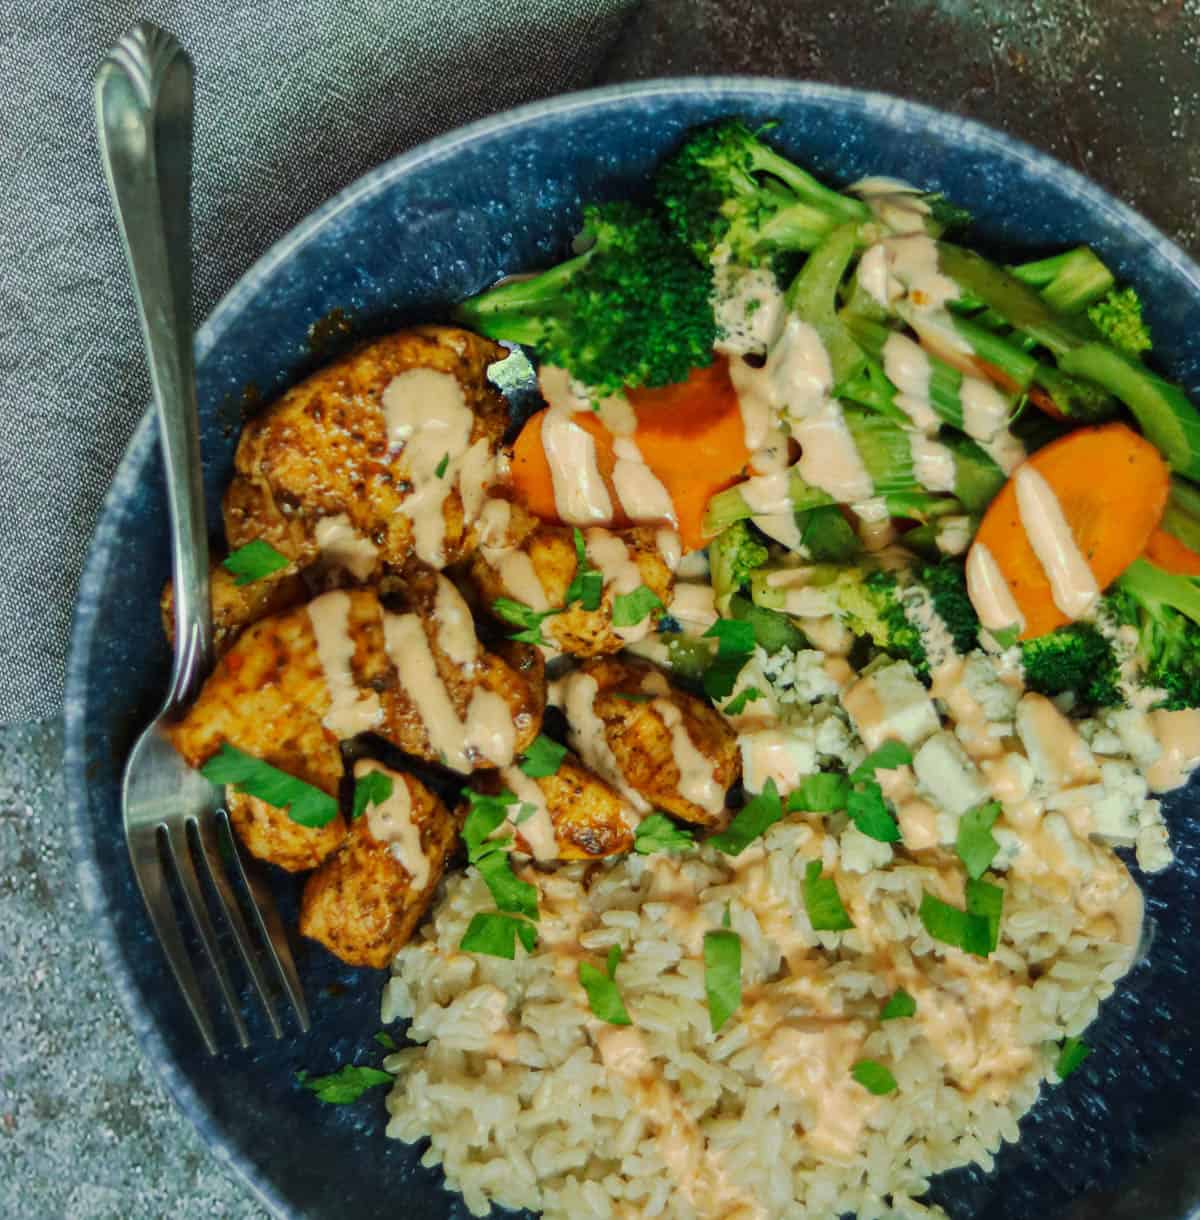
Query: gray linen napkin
x=295, y=99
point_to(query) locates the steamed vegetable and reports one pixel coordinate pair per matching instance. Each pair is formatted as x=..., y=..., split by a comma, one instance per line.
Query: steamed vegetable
x=633, y=309
x=1165, y=609
x=1112, y=487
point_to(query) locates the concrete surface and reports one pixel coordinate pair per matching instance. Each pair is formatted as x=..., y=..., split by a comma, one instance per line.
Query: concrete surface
x=86, y=1132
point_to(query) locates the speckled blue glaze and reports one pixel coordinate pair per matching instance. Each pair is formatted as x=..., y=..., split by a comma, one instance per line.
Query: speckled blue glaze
x=405, y=242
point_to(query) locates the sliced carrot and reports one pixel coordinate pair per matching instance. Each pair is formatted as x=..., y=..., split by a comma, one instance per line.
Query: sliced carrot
x=689, y=434
x=1112, y=485
x=1169, y=553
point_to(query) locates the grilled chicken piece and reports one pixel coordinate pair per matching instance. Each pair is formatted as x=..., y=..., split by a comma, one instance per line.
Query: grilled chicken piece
x=235, y=607
x=576, y=815
x=347, y=462
x=363, y=903
x=269, y=834
x=450, y=700
x=534, y=563
x=672, y=750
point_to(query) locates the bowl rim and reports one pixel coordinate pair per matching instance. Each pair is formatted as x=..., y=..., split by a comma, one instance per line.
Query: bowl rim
x=978, y=135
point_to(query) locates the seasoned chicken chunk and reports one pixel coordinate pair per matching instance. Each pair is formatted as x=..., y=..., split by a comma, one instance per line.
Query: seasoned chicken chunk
x=663, y=747
x=269, y=834
x=532, y=562
x=383, y=454
x=575, y=814
x=297, y=683
x=363, y=903
x=234, y=606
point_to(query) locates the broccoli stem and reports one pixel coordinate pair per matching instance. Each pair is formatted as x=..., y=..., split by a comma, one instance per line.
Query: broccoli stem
x=1164, y=412
x=806, y=187
x=977, y=478
x=728, y=507
x=1069, y=282
x=812, y=295
x=885, y=450
x=1155, y=588
x=1182, y=516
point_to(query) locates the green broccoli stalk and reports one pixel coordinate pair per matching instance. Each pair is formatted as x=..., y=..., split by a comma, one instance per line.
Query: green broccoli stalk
x=1069, y=282
x=1118, y=317
x=1181, y=519
x=726, y=187
x=1075, y=659
x=1163, y=410
x=732, y=555
x=813, y=296
x=633, y=309
x=1165, y=609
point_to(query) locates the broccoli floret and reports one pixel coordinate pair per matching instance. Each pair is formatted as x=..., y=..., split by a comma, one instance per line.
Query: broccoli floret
x=1165, y=609
x=732, y=556
x=1070, y=281
x=947, y=585
x=1076, y=658
x=1118, y=317
x=633, y=309
x=726, y=186
x=870, y=605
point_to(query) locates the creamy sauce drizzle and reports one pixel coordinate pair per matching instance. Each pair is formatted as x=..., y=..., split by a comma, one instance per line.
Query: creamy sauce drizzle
x=537, y=830
x=989, y=591
x=342, y=546
x=1178, y=734
x=428, y=418
x=1072, y=582
x=932, y=462
x=391, y=822
x=829, y=459
x=351, y=711
x=697, y=772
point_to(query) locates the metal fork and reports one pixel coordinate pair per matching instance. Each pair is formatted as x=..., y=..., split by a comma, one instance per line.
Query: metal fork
x=173, y=820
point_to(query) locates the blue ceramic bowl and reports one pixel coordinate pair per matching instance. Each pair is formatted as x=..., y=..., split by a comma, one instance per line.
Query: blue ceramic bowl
x=405, y=243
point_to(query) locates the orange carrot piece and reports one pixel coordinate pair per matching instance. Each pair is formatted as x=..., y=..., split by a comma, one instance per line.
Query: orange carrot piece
x=1169, y=553
x=690, y=435
x=1112, y=485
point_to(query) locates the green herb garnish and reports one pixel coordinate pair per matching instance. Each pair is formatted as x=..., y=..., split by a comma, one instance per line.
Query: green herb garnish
x=254, y=561
x=520, y=615
x=890, y=755
x=371, y=789
x=543, y=758
x=899, y=1004
x=587, y=585
x=440, y=468
x=722, y=975
x=629, y=609
x=603, y=997
x=735, y=637
x=874, y=1077
x=304, y=804
x=386, y=1040
x=822, y=793
x=975, y=844
x=496, y=935
x=345, y=1085
x=985, y=901
x=1071, y=1054
x=659, y=833
x=823, y=902
x=737, y=705
x=755, y=818
x=870, y=813
x=490, y=855
x=968, y=930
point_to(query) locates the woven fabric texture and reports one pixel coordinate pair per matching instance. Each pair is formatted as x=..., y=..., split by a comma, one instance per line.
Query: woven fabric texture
x=294, y=100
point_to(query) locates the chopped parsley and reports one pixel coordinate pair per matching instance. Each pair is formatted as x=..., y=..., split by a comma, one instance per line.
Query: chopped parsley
x=1071, y=1054
x=722, y=975
x=975, y=930
x=874, y=1077
x=496, y=935
x=345, y=1085
x=735, y=644
x=822, y=793
x=737, y=705
x=254, y=561
x=371, y=789
x=755, y=818
x=976, y=845
x=543, y=758
x=870, y=813
x=629, y=609
x=304, y=804
x=603, y=997
x=890, y=755
x=490, y=855
x=386, y=1040
x=823, y=902
x=899, y=1004
x=520, y=615
x=440, y=468
x=659, y=833
x=587, y=585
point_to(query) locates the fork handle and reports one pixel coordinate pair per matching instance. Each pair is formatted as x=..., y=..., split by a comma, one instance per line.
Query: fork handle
x=143, y=97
